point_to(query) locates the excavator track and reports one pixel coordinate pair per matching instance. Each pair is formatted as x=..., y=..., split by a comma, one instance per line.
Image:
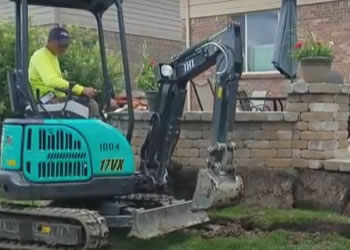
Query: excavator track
x=51, y=228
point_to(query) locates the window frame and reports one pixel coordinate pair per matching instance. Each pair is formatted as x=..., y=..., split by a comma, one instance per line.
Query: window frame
x=252, y=73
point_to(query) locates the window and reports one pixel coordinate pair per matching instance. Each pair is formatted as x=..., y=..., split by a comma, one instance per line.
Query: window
x=258, y=34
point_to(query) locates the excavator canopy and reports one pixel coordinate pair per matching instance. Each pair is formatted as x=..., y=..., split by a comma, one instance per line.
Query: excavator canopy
x=94, y=6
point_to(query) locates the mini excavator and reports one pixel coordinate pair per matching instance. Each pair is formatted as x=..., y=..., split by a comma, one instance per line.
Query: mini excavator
x=85, y=167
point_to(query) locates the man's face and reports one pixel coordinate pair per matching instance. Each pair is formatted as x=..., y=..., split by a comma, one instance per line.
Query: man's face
x=59, y=49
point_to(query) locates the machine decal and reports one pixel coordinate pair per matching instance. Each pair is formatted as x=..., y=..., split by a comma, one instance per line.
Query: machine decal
x=189, y=65
x=45, y=229
x=109, y=146
x=12, y=163
x=220, y=90
x=112, y=165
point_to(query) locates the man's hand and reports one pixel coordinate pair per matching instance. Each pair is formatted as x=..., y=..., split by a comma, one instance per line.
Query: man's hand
x=114, y=104
x=89, y=92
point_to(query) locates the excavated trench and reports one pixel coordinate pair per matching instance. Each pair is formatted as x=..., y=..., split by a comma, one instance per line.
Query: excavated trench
x=225, y=227
x=277, y=188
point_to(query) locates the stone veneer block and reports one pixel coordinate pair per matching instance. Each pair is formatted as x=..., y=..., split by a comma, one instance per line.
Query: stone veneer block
x=300, y=88
x=297, y=107
x=206, y=116
x=310, y=133
x=325, y=88
x=291, y=116
x=251, y=116
x=323, y=107
x=192, y=116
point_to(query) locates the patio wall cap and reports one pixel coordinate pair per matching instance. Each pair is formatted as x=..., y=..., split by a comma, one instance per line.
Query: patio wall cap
x=318, y=88
x=198, y=116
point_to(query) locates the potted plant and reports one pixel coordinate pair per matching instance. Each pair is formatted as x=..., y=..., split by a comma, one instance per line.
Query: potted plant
x=315, y=57
x=146, y=79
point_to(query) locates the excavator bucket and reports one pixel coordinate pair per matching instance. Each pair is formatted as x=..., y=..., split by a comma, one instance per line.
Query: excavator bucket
x=155, y=222
x=213, y=191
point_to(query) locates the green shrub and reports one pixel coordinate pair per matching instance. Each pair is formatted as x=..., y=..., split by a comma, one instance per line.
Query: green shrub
x=7, y=56
x=146, y=79
x=6, y=62
x=81, y=62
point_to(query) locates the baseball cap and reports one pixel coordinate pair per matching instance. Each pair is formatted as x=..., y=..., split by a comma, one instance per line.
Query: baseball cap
x=60, y=35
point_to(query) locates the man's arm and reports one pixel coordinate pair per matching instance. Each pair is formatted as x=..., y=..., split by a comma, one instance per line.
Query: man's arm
x=51, y=78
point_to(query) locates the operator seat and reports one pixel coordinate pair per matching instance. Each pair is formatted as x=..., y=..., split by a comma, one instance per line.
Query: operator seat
x=20, y=102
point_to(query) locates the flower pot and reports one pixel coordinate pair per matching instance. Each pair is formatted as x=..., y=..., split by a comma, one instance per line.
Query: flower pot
x=151, y=97
x=316, y=69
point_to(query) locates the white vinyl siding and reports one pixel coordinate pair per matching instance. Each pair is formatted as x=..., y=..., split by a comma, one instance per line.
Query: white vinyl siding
x=202, y=8
x=151, y=18
x=39, y=15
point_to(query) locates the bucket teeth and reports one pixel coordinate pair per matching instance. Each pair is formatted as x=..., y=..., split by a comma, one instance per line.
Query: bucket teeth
x=155, y=222
x=213, y=191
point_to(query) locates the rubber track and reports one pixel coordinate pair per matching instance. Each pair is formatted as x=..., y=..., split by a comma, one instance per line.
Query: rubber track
x=94, y=225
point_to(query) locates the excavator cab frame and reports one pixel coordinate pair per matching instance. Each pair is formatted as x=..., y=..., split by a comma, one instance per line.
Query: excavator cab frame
x=21, y=94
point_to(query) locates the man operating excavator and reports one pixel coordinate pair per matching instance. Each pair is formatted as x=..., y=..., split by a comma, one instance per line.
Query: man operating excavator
x=46, y=78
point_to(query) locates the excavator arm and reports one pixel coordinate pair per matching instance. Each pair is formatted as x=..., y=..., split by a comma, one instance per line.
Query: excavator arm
x=224, y=50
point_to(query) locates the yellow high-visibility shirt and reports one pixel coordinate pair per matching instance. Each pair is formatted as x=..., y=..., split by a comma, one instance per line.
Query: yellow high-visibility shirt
x=45, y=74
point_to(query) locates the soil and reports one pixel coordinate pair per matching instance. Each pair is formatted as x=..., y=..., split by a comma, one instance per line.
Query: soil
x=245, y=227
x=226, y=228
x=315, y=227
x=297, y=238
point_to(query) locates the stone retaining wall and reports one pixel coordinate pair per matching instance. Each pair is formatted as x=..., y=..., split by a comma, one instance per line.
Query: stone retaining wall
x=312, y=130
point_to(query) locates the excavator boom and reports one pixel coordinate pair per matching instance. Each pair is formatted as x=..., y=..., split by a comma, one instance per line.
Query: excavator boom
x=216, y=185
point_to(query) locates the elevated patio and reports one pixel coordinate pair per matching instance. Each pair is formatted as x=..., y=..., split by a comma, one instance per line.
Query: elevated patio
x=295, y=158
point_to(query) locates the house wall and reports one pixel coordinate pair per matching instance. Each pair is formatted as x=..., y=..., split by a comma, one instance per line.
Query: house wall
x=153, y=18
x=330, y=21
x=158, y=22
x=39, y=15
x=203, y=8
x=327, y=19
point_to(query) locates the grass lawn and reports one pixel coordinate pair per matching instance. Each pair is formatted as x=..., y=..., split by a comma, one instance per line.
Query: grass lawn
x=265, y=239
x=264, y=218
x=271, y=241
